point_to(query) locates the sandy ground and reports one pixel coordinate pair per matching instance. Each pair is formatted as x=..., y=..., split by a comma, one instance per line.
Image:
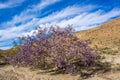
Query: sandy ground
x=12, y=73
x=8, y=72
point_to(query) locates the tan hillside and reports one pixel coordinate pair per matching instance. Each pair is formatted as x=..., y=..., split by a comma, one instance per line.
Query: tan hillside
x=106, y=35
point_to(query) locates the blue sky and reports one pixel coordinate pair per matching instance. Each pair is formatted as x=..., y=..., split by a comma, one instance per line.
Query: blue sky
x=22, y=17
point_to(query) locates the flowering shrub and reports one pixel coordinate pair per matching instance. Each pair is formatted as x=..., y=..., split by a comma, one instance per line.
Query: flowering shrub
x=56, y=46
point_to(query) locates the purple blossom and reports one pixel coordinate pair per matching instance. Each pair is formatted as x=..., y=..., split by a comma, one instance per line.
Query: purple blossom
x=54, y=45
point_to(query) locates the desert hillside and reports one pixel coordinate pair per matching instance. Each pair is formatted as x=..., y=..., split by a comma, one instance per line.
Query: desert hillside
x=106, y=35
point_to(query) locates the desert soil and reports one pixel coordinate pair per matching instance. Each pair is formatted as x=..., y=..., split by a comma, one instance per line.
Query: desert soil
x=12, y=73
x=8, y=72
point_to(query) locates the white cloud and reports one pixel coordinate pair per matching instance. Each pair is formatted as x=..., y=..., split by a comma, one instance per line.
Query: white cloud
x=29, y=13
x=81, y=20
x=87, y=20
x=10, y=3
x=21, y=29
x=14, y=32
x=5, y=47
x=66, y=13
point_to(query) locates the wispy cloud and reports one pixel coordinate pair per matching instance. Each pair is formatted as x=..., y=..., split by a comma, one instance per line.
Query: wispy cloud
x=90, y=20
x=82, y=21
x=10, y=3
x=29, y=13
x=68, y=12
x=12, y=29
